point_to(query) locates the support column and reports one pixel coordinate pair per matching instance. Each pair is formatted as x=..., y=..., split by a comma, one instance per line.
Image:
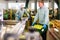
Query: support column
x=35, y=5
x=59, y=8
x=29, y=6
x=26, y=4
x=53, y=8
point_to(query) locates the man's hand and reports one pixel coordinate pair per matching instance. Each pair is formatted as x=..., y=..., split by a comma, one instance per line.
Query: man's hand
x=44, y=26
x=18, y=17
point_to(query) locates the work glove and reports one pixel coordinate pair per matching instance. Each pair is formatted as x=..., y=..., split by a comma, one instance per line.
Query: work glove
x=18, y=17
x=33, y=24
x=44, y=26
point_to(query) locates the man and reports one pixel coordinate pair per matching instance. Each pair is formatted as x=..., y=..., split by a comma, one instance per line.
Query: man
x=43, y=16
x=20, y=13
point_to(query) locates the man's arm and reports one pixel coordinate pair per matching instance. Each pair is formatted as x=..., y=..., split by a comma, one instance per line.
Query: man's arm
x=46, y=16
x=26, y=12
x=36, y=17
x=16, y=14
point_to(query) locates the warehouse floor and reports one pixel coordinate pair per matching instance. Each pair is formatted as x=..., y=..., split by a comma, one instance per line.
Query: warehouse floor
x=50, y=33
x=49, y=36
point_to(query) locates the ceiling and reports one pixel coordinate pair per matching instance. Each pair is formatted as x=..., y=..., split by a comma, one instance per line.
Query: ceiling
x=30, y=0
x=19, y=0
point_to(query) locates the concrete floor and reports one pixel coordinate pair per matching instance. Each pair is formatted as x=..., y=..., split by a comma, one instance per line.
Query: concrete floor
x=49, y=36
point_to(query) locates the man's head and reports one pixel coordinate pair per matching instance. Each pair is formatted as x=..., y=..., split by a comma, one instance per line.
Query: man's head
x=41, y=3
x=22, y=8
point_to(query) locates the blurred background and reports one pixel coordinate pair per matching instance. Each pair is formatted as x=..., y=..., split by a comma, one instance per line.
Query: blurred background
x=22, y=29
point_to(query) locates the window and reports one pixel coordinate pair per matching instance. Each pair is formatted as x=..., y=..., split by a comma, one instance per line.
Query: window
x=15, y=5
x=2, y=5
